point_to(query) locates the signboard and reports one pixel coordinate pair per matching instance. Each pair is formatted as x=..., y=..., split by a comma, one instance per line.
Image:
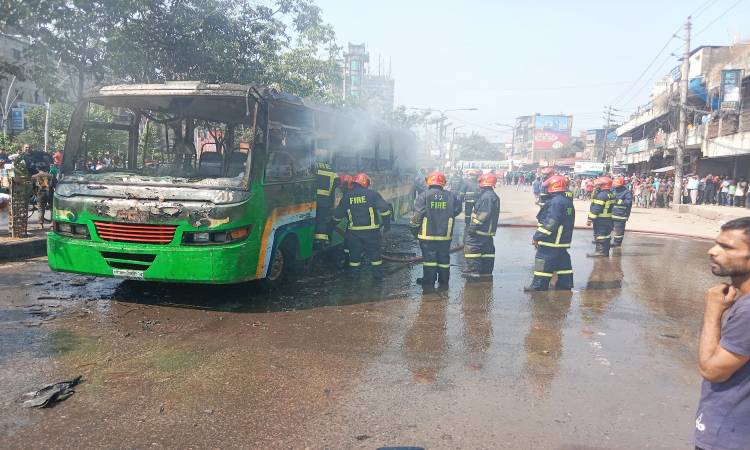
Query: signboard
x=731, y=86
x=16, y=119
x=551, y=132
x=589, y=167
x=637, y=146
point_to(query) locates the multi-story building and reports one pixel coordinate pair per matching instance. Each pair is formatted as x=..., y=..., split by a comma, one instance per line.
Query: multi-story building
x=373, y=92
x=718, y=134
x=540, y=137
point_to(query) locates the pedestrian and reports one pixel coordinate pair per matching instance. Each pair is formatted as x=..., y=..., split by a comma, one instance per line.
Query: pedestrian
x=731, y=192
x=621, y=209
x=552, y=238
x=723, y=413
x=327, y=181
x=432, y=223
x=692, y=187
x=600, y=216
x=367, y=213
x=724, y=191
x=739, y=194
x=479, y=248
x=710, y=190
x=42, y=183
x=701, y=191
x=419, y=185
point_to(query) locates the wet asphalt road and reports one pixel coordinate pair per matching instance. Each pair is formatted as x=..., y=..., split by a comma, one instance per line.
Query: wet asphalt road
x=331, y=362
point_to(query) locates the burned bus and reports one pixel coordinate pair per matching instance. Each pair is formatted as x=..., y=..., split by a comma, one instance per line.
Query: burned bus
x=208, y=183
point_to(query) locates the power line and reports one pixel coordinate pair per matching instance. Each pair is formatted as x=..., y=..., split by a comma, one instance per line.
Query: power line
x=627, y=91
x=705, y=6
x=540, y=88
x=734, y=5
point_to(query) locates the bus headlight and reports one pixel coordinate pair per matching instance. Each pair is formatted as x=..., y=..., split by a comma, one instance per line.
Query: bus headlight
x=215, y=237
x=76, y=230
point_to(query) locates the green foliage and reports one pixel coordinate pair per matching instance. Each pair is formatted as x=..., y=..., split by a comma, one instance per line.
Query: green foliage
x=283, y=43
x=476, y=147
x=58, y=126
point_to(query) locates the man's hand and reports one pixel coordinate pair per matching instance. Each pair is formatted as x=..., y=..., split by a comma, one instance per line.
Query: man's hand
x=535, y=243
x=588, y=223
x=720, y=297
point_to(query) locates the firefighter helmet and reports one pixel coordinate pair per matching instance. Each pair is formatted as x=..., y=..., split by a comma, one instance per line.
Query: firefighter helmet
x=618, y=181
x=436, y=179
x=361, y=179
x=488, y=180
x=604, y=183
x=346, y=180
x=556, y=183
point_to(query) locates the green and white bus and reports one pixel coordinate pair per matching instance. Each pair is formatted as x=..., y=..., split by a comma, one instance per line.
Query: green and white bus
x=208, y=183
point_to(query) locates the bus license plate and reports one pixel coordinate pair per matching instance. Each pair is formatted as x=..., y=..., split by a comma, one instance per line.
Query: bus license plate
x=128, y=274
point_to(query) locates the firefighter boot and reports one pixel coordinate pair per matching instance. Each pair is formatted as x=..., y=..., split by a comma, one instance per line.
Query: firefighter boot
x=599, y=250
x=537, y=284
x=429, y=274
x=443, y=278
x=564, y=282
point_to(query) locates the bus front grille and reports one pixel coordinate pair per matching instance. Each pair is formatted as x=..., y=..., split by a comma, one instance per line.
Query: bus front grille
x=136, y=233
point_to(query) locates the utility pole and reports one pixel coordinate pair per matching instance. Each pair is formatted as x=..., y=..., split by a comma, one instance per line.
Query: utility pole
x=682, y=130
x=608, y=118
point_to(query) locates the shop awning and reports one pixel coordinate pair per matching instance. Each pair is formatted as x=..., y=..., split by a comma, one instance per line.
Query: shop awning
x=663, y=169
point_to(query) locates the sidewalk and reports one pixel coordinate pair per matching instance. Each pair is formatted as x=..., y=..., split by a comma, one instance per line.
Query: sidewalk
x=16, y=248
x=518, y=208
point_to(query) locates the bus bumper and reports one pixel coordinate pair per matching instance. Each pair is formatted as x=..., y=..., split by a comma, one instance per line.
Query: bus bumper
x=214, y=265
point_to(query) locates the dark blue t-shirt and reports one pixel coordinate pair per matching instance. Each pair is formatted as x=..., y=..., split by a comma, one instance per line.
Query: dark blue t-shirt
x=723, y=418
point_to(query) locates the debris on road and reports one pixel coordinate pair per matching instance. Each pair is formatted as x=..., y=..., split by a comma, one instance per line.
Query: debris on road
x=51, y=393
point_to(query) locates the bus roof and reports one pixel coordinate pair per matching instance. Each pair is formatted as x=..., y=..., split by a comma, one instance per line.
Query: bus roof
x=172, y=88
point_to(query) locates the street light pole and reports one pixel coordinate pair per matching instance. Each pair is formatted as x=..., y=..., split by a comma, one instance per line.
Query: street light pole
x=440, y=127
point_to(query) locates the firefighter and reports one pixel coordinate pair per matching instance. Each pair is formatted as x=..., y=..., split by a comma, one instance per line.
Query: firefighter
x=479, y=249
x=552, y=238
x=620, y=210
x=345, y=185
x=432, y=223
x=367, y=212
x=469, y=191
x=547, y=172
x=600, y=215
x=327, y=181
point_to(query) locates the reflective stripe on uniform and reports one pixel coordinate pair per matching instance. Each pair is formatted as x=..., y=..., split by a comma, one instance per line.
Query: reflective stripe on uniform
x=593, y=216
x=484, y=233
x=372, y=226
x=564, y=272
x=552, y=244
x=601, y=238
x=444, y=266
x=614, y=217
x=376, y=263
x=598, y=202
x=472, y=255
x=430, y=264
x=383, y=214
x=542, y=274
x=488, y=255
x=354, y=264
x=544, y=231
x=447, y=237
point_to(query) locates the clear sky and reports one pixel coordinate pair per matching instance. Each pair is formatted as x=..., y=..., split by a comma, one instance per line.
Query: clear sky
x=512, y=58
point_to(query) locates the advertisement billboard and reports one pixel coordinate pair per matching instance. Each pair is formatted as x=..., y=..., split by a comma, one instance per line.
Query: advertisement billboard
x=551, y=132
x=731, y=85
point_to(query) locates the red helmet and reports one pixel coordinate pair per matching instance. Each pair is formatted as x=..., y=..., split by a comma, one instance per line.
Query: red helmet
x=346, y=180
x=361, y=179
x=604, y=183
x=436, y=179
x=549, y=170
x=556, y=183
x=618, y=181
x=488, y=180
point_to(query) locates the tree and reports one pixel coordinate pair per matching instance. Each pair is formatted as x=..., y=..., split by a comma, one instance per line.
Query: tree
x=58, y=126
x=476, y=147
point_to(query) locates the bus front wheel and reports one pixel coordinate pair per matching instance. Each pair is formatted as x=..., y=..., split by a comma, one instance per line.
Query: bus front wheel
x=281, y=266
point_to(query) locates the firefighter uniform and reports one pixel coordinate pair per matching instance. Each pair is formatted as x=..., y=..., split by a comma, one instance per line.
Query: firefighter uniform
x=479, y=248
x=327, y=180
x=620, y=213
x=469, y=192
x=553, y=236
x=366, y=212
x=600, y=214
x=434, y=213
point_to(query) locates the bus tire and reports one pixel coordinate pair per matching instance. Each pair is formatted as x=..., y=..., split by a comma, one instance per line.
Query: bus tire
x=282, y=265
